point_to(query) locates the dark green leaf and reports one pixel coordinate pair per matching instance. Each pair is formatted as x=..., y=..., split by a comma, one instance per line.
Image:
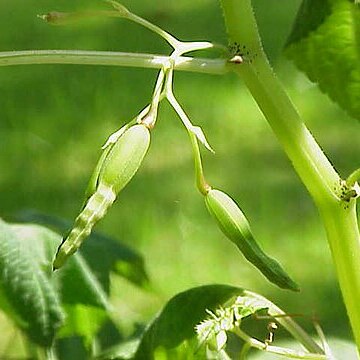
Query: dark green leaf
x=175, y=323
x=26, y=293
x=78, y=285
x=325, y=45
x=85, y=302
x=311, y=14
x=114, y=256
x=71, y=348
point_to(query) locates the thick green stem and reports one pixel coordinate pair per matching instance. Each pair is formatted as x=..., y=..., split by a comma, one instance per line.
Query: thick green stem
x=83, y=57
x=314, y=169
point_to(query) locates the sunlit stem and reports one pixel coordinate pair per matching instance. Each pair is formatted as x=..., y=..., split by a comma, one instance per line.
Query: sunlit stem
x=150, y=118
x=68, y=18
x=111, y=58
x=184, y=47
x=65, y=18
x=289, y=353
x=353, y=177
x=195, y=130
x=180, y=47
x=127, y=14
x=174, y=103
x=201, y=183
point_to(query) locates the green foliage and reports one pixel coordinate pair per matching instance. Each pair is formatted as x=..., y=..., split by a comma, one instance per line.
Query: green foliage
x=81, y=289
x=115, y=256
x=27, y=293
x=324, y=43
x=37, y=300
x=176, y=322
x=213, y=330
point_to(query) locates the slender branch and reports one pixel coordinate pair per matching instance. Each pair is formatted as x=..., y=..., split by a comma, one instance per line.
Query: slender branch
x=110, y=58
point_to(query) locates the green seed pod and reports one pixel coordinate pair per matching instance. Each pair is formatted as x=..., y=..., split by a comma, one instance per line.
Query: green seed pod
x=95, y=209
x=235, y=226
x=125, y=157
x=117, y=165
x=94, y=179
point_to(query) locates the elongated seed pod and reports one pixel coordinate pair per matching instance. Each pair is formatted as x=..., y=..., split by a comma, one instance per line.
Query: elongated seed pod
x=111, y=175
x=94, y=179
x=235, y=226
x=125, y=157
x=95, y=209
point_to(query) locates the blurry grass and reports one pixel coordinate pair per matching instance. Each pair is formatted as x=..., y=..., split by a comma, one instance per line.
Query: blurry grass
x=55, y=118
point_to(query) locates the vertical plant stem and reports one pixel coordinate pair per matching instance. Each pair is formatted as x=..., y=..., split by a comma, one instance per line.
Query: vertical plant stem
x=312, y=166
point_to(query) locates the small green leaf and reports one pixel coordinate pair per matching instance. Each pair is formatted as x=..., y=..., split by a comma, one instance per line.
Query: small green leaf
x=27, y=294
x=175, y=323
x=324, y=44
x=84, y=300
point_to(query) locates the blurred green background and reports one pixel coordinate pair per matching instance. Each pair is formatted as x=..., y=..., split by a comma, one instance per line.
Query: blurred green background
x=54, y=119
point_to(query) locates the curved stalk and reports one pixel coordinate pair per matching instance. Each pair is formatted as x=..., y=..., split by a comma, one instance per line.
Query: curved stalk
x=288, y=353
x=84, y=57
x=288, y=323
x=312, y=166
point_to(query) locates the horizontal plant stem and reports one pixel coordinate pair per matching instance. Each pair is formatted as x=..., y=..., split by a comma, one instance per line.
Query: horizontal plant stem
x=111, y=58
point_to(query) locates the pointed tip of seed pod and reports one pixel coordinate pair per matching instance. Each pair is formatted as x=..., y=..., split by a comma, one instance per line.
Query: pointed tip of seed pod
x=295, y=287
x=60, y=259
x=56, y=265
